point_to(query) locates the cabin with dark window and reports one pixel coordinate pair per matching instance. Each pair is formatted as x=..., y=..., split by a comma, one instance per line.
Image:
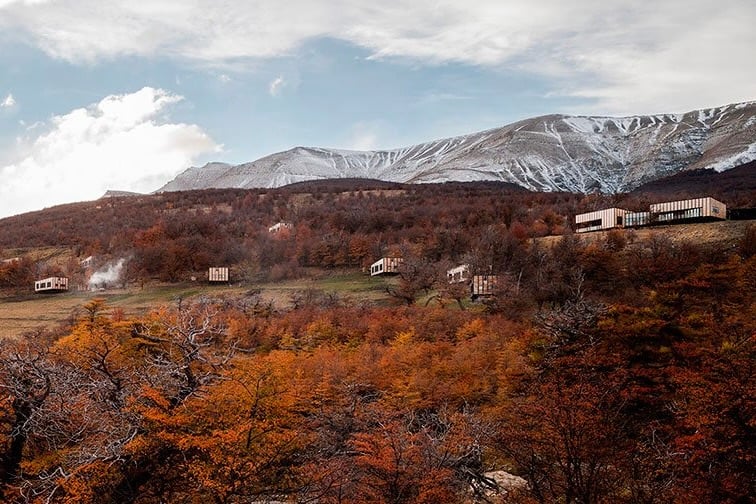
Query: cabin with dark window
x=51, y=284
x=279, y=227
x=685, y=210
x=386, y=266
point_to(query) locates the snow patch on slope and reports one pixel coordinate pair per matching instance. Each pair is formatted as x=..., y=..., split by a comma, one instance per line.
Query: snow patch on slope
x=741, y=158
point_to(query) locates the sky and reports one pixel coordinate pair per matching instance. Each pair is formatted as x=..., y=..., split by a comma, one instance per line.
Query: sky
x=124, y=95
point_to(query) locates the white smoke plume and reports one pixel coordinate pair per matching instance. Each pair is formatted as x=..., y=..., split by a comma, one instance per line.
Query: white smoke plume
x=107, y=275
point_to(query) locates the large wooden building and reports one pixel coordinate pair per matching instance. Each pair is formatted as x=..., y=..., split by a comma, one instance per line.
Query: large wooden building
x=697, y=208
x=608, y=218
x=706, y=208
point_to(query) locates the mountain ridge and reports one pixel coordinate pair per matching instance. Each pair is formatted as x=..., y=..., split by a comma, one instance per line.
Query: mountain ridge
x=554, y=152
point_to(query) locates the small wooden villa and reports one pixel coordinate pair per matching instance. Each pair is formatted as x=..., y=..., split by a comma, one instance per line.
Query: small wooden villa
x=459, y=274
x=484, y=285
x=386, y=266
x=279, y=227
x=218, y=274
x=51, y=284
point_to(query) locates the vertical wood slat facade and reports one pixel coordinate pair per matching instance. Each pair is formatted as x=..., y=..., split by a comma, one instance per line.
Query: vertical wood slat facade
x=667, y=212
x=484, y=285
x=696, y=208
x=608, y=218
x=386, y=265
x=217, y=274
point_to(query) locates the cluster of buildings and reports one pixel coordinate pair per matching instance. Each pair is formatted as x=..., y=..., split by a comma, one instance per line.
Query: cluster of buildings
x=659, y=213
x=696, y=209
x=705, y=208
x=480, y=285
x=60, y=284
x=214, y=275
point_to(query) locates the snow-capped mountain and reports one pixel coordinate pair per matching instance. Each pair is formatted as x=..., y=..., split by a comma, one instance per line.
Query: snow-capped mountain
x=548, y=153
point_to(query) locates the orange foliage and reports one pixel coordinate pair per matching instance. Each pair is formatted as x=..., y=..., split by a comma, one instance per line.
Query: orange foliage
x=227, y=401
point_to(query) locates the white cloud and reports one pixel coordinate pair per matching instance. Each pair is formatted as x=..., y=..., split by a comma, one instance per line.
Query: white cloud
x=434, y=97
x=8, y=102
x=5, y=3
x=276, y=86
x=621, y=53
x=364, y=141
x=365, y=136
x=659, y=58
x=123, y=142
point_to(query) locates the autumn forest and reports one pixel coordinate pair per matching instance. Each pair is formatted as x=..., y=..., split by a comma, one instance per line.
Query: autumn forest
x=610, y=368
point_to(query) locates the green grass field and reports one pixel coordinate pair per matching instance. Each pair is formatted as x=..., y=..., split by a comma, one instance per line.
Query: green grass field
x=28, y=312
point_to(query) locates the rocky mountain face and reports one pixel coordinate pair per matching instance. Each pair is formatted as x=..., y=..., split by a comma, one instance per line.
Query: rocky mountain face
x=548, y=153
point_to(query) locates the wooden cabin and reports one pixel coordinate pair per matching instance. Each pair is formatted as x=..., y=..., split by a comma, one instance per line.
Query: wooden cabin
x=51, y=284
x=279, y=226
x=218, y=274
x=484, y=285
x=386, y=265
x=459, y=274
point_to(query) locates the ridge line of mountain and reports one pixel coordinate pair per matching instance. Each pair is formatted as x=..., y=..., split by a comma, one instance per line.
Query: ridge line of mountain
x=556, y=152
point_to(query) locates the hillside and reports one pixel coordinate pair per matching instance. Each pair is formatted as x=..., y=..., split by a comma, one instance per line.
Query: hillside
x=307, y=380
x=339, y=228
x=736, y=185
x=548, y=153
x=174, y=236
x=28, y=313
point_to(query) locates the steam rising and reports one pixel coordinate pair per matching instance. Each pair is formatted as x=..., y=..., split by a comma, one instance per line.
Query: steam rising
x=108, y=275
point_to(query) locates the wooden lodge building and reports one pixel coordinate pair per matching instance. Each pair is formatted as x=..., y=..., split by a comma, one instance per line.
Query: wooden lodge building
x=696, y=209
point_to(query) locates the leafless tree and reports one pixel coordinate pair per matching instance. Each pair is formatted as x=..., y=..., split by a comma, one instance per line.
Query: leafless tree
x=54, y=405
x=184, y=350
x=416, y=275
